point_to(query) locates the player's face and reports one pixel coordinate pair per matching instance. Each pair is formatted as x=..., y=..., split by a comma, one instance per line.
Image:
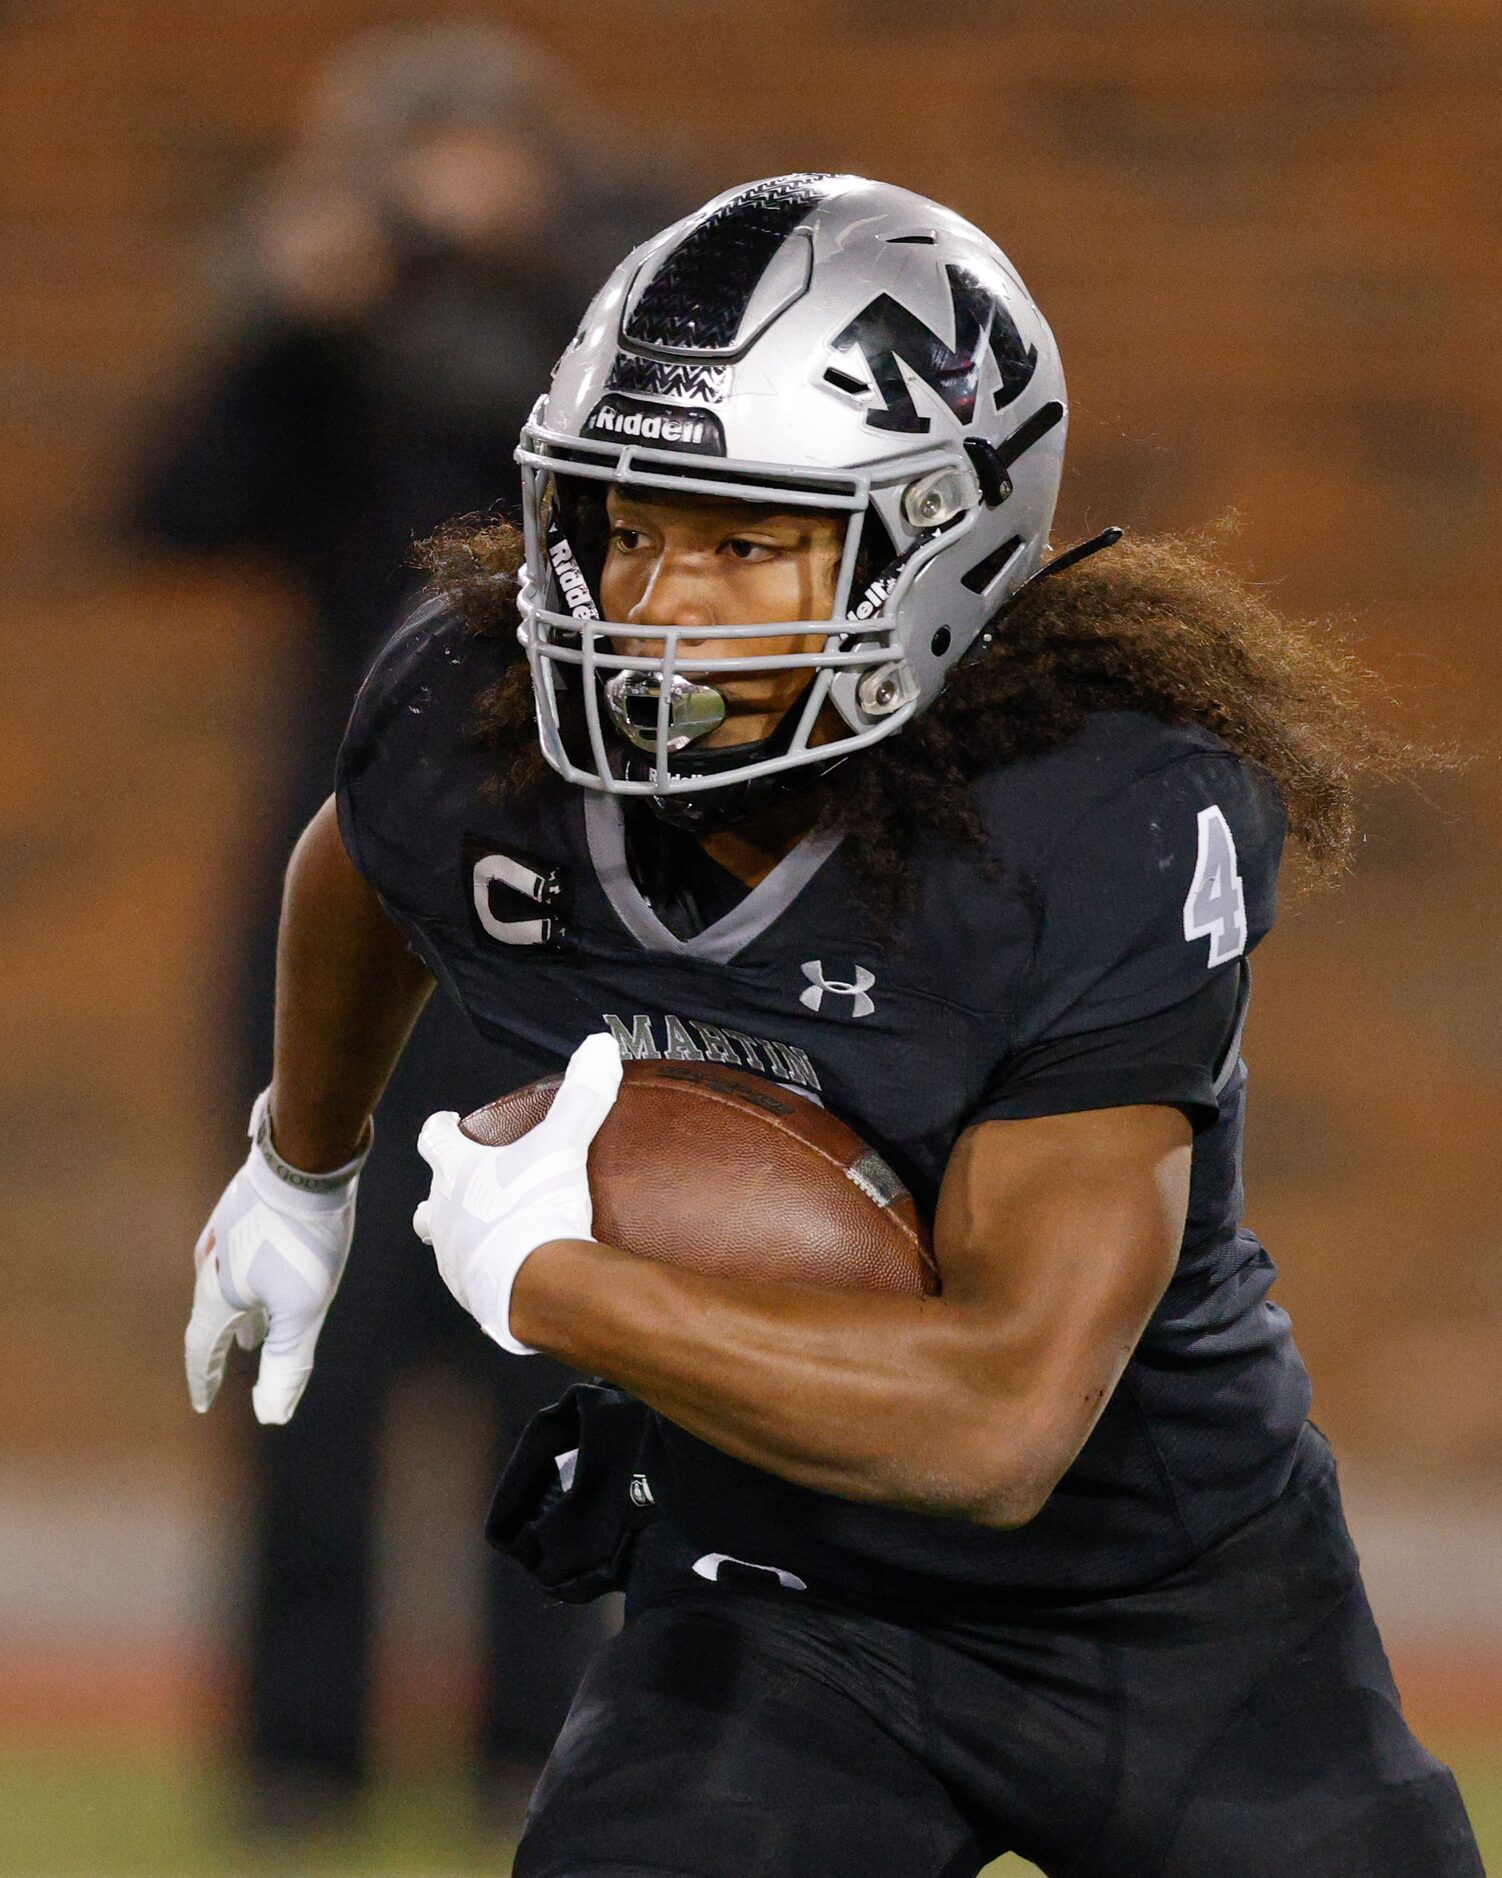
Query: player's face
x=703, y=562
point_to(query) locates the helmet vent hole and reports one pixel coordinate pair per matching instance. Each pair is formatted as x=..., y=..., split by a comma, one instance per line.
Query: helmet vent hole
x=981, y=576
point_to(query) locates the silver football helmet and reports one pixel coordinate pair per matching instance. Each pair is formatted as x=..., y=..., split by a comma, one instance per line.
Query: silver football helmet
x=818, y=342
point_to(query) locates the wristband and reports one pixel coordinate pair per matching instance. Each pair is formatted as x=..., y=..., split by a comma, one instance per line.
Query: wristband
x=332, y=1182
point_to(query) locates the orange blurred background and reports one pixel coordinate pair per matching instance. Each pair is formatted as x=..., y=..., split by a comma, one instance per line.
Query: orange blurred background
x=1266, y=237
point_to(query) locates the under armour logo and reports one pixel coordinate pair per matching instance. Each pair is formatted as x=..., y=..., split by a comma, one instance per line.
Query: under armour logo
x=813, y=971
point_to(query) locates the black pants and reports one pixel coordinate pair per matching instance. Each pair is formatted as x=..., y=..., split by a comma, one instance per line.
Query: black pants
x=1237, y=1720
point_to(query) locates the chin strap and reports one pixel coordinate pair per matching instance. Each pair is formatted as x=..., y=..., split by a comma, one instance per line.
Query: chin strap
x=1071, y=557
x=706, y=811
x=713, y=809
x=710, y=810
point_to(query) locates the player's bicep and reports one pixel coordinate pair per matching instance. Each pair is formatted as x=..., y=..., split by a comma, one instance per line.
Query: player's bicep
x=1057, y=1236
x=322, y=858
x=334, y=925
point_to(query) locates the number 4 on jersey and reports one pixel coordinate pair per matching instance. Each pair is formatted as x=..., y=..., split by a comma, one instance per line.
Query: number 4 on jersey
x=1216, y=907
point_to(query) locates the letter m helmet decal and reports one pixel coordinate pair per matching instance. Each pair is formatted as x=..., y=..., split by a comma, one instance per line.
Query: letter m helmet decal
x=886, y=332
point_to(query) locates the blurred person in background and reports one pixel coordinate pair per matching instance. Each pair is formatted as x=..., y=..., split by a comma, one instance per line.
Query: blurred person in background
x=403, y=285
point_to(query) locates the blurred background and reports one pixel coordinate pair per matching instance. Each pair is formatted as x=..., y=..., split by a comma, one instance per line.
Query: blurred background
x=280, y=282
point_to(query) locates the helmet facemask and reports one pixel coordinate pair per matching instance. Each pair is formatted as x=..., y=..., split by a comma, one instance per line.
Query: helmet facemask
x=633, y=708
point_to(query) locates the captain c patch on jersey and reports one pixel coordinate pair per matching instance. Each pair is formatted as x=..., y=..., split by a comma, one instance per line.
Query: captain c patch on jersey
x=513, y=900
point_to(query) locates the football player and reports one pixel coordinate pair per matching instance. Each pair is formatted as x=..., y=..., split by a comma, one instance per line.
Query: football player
x=819, y=767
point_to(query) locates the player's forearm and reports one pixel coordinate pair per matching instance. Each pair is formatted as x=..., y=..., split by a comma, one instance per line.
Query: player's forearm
x=900, y=1401
x=348, y=993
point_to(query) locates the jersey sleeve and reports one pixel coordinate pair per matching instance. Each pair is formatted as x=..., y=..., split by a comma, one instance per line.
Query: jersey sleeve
x=1147, y=906
x=399, y=758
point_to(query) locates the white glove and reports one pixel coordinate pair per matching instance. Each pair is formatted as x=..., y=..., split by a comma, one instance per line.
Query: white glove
x=491, y=1207
x=269, y=1262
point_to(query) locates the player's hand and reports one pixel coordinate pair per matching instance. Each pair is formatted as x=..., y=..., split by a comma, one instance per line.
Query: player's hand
x=491, y=1207
x=269, y=1262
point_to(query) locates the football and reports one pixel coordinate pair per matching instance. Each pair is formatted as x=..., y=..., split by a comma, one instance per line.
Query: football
x=722, y=1172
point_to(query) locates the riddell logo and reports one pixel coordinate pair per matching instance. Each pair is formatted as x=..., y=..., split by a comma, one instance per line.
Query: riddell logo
x=660, y=426
x=580, y=601
x=874, y=598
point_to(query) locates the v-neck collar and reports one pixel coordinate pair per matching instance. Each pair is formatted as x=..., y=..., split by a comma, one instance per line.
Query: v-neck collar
x=767, y=901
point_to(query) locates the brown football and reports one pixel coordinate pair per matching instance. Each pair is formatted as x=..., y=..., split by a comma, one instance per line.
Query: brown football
x=722, y=1172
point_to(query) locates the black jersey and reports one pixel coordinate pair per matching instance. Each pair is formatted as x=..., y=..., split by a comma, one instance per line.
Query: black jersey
x=1068, y=966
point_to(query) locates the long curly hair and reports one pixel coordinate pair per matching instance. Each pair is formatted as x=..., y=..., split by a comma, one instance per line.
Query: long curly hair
x=1151, y=625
